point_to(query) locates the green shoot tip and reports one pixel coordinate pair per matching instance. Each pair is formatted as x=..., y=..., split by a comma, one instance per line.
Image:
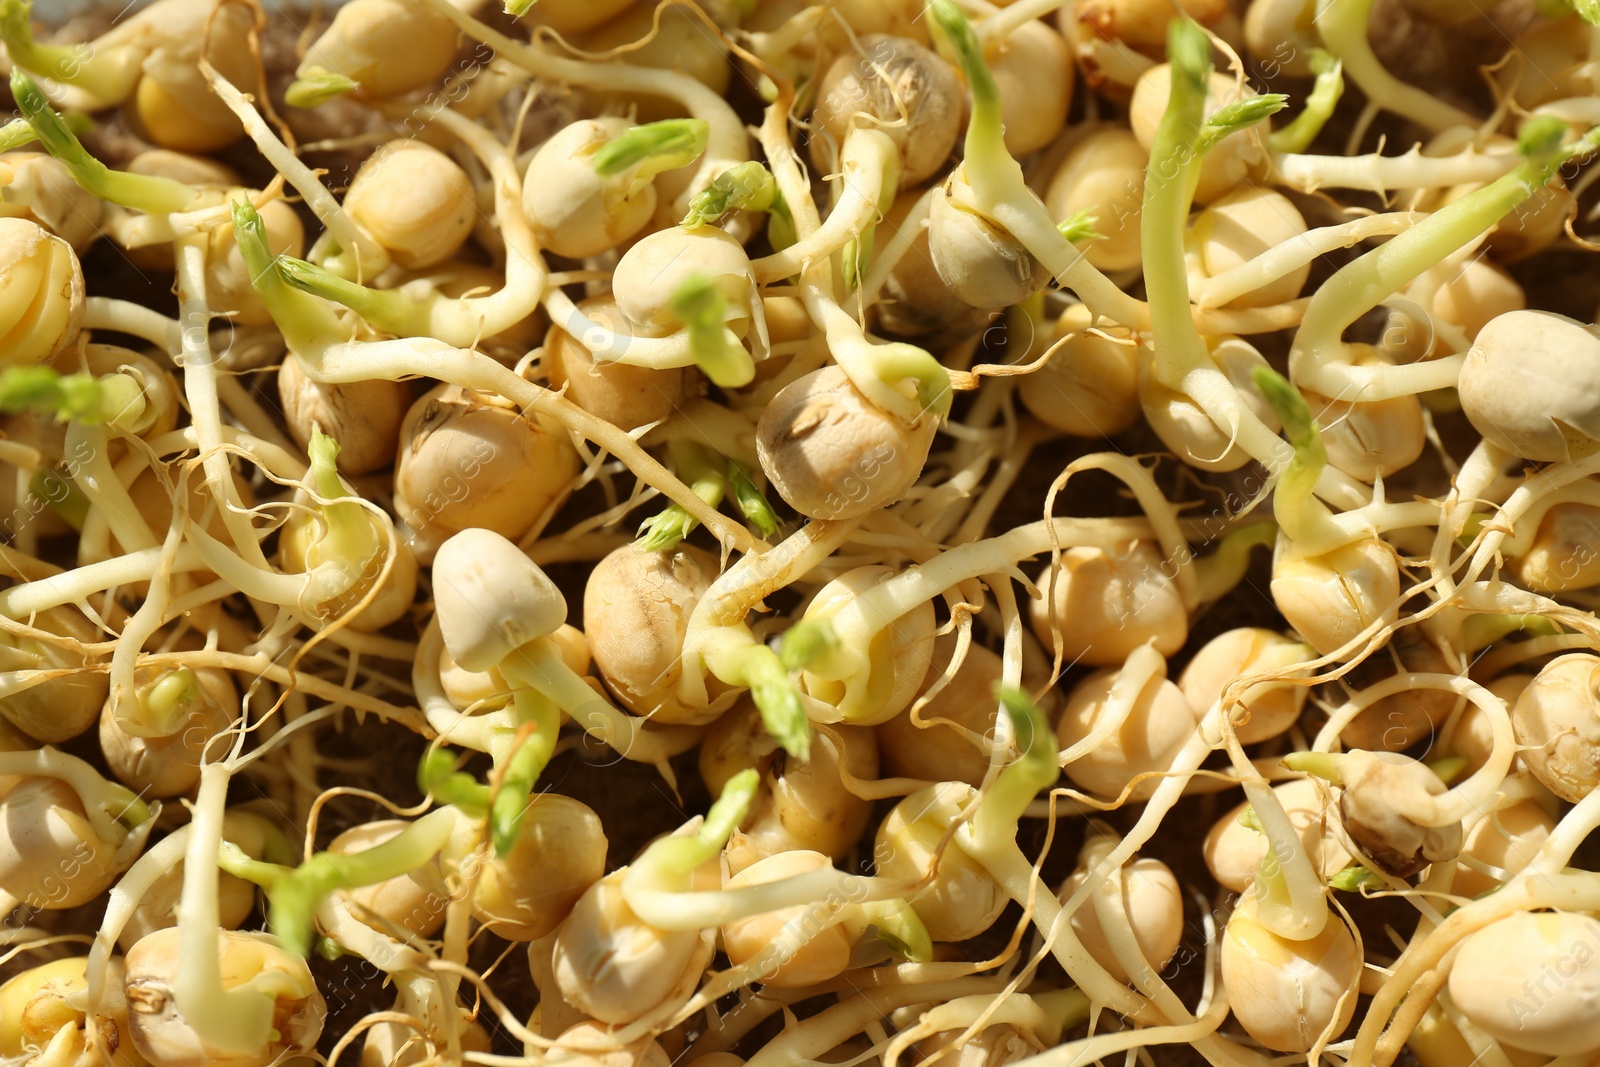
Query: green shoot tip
x=751, y=501
x=439, y=777
x=1245, y=113
x=1080, y=226
x=805, y=642
x=1288, y=403
x=731, y=807
x=1541, y=135
x=317, y=88
x=1587, y=10
x=665, y=529
x=1034, y=738
x=1324, y=765
x=670, y=143
x=1352, y=879
x=1189, y=50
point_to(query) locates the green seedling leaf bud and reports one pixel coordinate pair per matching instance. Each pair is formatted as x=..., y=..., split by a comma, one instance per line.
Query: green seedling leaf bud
x=703, y=470
x=1189, y=52
x=1239, y=115
x=512, y=798
x=751, y=502
x=314, y=89
x=109, y=75
x=1353, y=879
x=1290, y=406
x=665, y=529
x=807, y=644
x=140, y=192
x=1080, y=226
x=664, y=145
x=294, y=897
x=969, y=53
x=701, y=306
x=439, y=776
x=898, y=926
x=1320, y=103
x=41, y=390
x=748, y=186
x=83, y=398
x=1541, y=135
x=780, y=224
x=778, y=700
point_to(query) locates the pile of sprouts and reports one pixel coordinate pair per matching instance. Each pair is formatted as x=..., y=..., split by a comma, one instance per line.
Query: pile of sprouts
x=800, y=531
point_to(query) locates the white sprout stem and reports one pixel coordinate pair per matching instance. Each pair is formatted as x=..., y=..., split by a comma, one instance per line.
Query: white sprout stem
x=335, y=917
x=1343, y=25
x=156, y=862
x=1416, y=976
x=143, y=624
x=1107, y=901
x=606, y=345
x=1319, y=358
x=666, y=909
x=136, y=320
x=1556, y=851
x=1522, y=534
x=1008, y=866
x=141, y=231
x=100, y=797
x=1295, y=253
x=847, y=342
x=465, y=320
x=860, y=359
x=481, y=731
x=538, y=665
x=1143, y=665
x=895, y=249
x=806, y=1043
x=1551, y=479
x=274, y=459
x=740, y=588
x=726, y=142
x=868, y=155
x=1377, y=174
x=1163, y=517
x=285, y=590
x=870, y=611
x=1008, y=20
x=1198, y=1033
x=1475, y=794
x=1306, y=913
x=1001, y=193
x=1578, y=110
x=200, y=389
x=973, y=1014
x=1365, y=522
x=70, y=587
x=98, y=481
x=236, y=1020
x=421, y=357
x=261, y=665
x=371, y=256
